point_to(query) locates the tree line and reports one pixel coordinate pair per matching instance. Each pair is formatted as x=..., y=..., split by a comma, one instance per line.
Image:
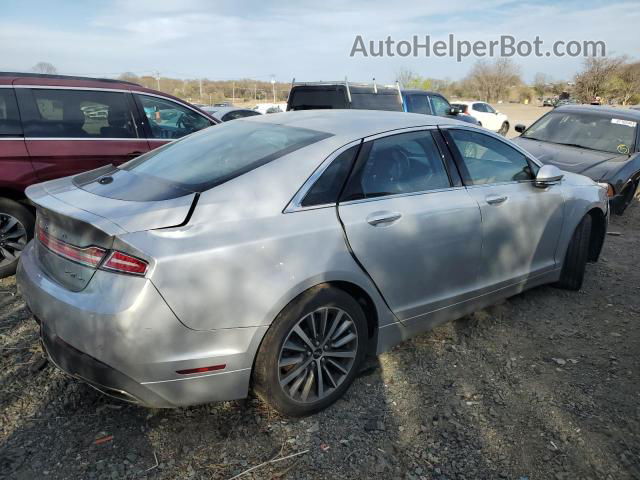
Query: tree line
x=613, y=80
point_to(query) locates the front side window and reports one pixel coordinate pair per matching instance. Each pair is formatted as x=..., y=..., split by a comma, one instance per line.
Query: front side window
x=9, y=118
x=488, y=160
x=479, y=107
x=169, y=120
x=214, y=156
x=440, y=105
x=404, y=163
x=79, y=114
x=586, y=130
x=418, y=104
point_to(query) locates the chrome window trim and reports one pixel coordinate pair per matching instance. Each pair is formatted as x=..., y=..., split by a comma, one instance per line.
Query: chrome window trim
x=400, y=195
x=12, y=138
x=6, y=86
x=86, y=139
x=489, y=133
x=294, y=204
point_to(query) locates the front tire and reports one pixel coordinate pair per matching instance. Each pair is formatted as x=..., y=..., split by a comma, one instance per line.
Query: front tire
x=575, y=260
x=311, y=353
x=16, y=229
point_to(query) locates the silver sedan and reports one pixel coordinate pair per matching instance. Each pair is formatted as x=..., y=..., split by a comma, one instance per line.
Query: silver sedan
x=276, y=252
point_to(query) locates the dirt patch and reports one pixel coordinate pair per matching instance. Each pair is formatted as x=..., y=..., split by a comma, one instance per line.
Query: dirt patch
x=545, y=385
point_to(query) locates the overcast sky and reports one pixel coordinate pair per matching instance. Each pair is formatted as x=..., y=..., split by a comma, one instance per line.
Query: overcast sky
x=310, y=40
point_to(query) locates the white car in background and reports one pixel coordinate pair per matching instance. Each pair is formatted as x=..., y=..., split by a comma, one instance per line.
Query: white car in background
x=488, y=116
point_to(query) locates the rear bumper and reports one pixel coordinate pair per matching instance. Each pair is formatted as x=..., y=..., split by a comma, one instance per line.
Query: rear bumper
x=119, y=335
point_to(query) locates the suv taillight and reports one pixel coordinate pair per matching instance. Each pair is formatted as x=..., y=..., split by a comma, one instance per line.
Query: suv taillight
x=92, y=256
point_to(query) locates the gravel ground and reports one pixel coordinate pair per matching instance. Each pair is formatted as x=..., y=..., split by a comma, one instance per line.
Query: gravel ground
x=542, y=386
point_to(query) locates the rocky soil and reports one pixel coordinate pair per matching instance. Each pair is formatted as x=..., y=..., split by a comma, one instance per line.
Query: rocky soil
x=545, y=385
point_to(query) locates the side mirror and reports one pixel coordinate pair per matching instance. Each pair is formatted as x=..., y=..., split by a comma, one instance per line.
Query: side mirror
x=548, y=175
x=520, y=128
x=454, y=111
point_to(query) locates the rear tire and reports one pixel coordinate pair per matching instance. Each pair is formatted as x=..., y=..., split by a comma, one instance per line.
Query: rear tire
x=16, y=229
x=629, y=195
x=283, y=352
x=575, y=259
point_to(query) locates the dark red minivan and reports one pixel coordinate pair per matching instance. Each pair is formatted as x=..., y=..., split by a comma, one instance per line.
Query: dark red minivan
x=52, y=126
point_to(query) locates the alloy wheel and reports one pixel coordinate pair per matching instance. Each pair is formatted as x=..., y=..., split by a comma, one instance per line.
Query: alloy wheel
x=317, y=355
x=13, y=239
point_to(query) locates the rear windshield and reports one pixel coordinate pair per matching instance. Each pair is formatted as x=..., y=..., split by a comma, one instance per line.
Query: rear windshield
x=218, y=154
x=377, y=101
x=317, y=98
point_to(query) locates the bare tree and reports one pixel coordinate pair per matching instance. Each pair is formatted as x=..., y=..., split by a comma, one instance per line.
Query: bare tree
x=129, y=77
x=595, y=79
x=406, y=77
x=626, y=82
x=540, y=83
x=490, y=81
x=44, y=67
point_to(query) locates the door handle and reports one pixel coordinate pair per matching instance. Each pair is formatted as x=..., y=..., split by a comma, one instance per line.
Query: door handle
x=378, y=218
x=496, y=199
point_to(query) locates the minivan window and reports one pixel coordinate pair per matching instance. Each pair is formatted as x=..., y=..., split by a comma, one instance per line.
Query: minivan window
x=214, y=156
x=79, y=114
x=169, y=120
x=9, y=117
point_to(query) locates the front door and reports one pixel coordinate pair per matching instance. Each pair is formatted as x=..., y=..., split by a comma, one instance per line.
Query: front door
x=521, y=223
x=418, y=237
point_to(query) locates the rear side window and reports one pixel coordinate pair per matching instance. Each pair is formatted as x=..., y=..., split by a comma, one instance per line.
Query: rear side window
x=315, y=98
x=327, y=188
x=377, y=101
x=78, y=114
x=404, y=163
x=9, y=117
x=418, y=104
x=169, y=120
x=216, y=155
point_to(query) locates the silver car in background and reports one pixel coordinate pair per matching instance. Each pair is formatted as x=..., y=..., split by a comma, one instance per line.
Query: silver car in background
x=275, y=252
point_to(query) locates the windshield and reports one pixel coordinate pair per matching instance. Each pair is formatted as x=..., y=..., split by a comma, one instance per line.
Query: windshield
x=215, y=155
x=587, y=130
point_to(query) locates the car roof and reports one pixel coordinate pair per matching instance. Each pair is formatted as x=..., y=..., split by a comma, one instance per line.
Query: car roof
x=352, y=122
x=11, y=77
x=624, y=113
x=424, y=92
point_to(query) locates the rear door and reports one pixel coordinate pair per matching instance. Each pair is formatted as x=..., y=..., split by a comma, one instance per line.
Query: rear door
x=69, y=130
x=417, y=234
x=16, y=172
x=521, y=223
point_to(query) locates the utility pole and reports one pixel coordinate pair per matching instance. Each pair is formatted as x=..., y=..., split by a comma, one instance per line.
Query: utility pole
x=233, y=93
x=200, y=89
x=255, y=92
x=158, y=80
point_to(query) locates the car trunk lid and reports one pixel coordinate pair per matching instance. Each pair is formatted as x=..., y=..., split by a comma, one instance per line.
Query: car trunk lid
x=76, y=226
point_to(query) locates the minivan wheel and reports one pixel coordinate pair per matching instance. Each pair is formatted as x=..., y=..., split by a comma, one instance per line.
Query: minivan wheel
x=312, y=352
x=575, y=260
x=16, y=229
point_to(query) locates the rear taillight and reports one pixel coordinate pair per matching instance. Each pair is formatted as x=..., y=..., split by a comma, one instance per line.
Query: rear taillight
x=89, y=256
x=92, y=256
x=123, y=263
